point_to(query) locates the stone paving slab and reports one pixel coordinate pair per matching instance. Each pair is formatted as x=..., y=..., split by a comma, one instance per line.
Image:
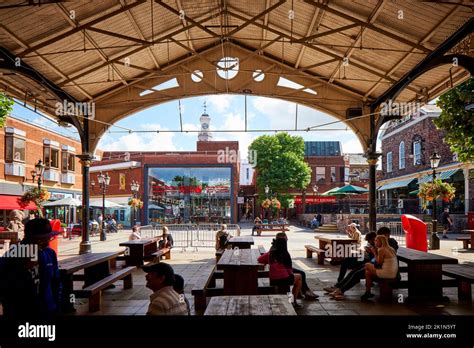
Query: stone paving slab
x=191, y=264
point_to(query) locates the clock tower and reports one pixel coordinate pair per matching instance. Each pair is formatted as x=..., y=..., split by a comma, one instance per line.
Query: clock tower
x=204, y=134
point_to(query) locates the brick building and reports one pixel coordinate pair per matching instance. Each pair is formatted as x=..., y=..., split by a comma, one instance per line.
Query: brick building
x=193, y=186
x=407, y=145
x=22, y=145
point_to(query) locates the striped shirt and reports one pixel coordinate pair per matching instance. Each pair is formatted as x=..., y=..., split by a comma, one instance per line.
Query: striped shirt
x=166, y=301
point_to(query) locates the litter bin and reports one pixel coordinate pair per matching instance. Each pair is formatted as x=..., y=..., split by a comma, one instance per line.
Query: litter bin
x=56, y=226
x=470, y=220
x=415, y=232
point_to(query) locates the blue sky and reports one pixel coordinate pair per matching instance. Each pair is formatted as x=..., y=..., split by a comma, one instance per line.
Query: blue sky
x=227, y=112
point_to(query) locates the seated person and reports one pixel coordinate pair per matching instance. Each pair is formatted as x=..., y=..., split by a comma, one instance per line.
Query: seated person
x=385, y=231
x=305, y=290
x=314, y=222
x=222, y=237
x=281, y=270
x=166, y=239
x=353, y=232
x=164, y=300
x=178, y=286
x=255, y=222
x=357, y=273
x=386, y=258
x=135, y=235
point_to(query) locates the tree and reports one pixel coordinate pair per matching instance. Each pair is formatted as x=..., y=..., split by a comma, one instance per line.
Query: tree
x=6, y=106
x=280, y=163
x=457, y=121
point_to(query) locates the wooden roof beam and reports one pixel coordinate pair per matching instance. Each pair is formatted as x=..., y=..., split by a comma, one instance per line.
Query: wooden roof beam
x=423, y=40
x=188, y=33
x=79, y=28
x=317, y=14
x=265, y=22
x=369, y=26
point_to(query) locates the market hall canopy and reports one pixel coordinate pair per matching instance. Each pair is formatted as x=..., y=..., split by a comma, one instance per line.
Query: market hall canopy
x=343, y=58
x=105, y=60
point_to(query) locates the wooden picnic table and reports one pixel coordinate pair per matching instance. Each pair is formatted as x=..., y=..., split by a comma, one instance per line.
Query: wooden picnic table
x=271, y=228
x=96, y=266
x=240, y=271
x=326, y=240
x=242, y=242
x=250, y=305
x=138, y=249
x=472, y=236
x=424, y=273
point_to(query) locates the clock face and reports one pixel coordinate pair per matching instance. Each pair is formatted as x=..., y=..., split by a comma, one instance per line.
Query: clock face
x=205, y=126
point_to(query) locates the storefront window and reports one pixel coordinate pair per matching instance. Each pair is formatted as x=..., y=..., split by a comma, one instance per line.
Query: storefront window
x=189, y=194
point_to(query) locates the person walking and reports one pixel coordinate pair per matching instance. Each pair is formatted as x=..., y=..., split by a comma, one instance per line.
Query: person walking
x=446, y=221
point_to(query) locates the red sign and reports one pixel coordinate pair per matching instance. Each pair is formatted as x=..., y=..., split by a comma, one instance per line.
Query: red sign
x=315, y=200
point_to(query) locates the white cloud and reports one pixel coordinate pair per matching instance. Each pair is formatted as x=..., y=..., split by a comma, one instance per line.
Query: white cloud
x=220, y=103
x=139, y=141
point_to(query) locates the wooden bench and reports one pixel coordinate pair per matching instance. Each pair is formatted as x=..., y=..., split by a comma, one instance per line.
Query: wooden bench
x=159, y=254
x=200, y=290
x=386, y=287
x=219, y=254
x=464, y=275
x=466, y=240
x=94, y=291
x=272, y=229
x=310, y=249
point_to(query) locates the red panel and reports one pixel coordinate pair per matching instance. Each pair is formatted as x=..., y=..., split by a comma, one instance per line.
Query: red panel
x=13, y=202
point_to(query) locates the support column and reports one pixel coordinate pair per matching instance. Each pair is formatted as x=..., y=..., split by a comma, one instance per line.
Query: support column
x=85, y=246
x=86, y=159
x=372, y=158
x=466, y=190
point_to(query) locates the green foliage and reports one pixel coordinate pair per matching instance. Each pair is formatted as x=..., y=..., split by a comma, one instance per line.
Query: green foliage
x=280, y=163
x=457, y=121
x=6, y=106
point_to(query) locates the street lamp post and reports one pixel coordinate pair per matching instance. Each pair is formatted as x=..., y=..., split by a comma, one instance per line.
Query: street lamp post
x=104, y=182
x=434, y=161
x=315, y=190
x=38, y=172
x=135, y=187
x=267, y=190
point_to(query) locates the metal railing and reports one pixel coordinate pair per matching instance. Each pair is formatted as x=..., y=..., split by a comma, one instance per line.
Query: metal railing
x=190, y=235
x=396, y=231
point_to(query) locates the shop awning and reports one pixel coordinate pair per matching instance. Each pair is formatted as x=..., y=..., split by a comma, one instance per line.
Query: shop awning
x=443, y=176
x=396, y=184
x=13, y=202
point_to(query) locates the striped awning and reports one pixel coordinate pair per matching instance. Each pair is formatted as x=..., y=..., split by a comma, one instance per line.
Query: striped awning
x=396, y=184
x=443, y=176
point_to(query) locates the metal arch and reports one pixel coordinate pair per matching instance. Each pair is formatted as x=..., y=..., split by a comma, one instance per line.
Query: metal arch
x=26, y=70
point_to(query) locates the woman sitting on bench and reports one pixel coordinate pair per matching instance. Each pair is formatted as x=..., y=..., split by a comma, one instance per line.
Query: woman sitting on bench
x=166, y=239
x=386, y=258
x=281, y=270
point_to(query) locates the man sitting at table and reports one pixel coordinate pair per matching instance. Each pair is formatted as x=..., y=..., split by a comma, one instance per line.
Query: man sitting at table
x=29, y=285
x=164, y=300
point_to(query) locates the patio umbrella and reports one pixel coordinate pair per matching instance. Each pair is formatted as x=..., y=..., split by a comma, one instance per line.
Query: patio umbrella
x=65, y=202
x=68, y=202
x=328, y=193
x=108, y=204
x=347, y=191
x=414, y=192
x=155, y=207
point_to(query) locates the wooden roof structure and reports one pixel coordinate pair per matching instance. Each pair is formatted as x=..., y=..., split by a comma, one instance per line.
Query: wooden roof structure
x=336, y=56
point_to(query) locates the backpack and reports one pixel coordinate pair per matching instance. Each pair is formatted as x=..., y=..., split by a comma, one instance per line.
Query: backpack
x=223, y=239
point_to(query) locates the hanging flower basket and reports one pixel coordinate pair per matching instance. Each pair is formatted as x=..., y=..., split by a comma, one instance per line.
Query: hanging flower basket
x=438, y=189
x=266, y=203
x=37, y=196
x=135, y=203
x=276, y=203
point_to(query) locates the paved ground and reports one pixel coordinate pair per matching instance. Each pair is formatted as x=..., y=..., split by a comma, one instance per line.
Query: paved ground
x=191, y=264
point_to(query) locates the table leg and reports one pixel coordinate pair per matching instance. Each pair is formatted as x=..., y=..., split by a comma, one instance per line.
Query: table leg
x=425, y=282
x=135, y=255
x=67, y=301
x=241, y=281
x=472, y=240
x=95, y=273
